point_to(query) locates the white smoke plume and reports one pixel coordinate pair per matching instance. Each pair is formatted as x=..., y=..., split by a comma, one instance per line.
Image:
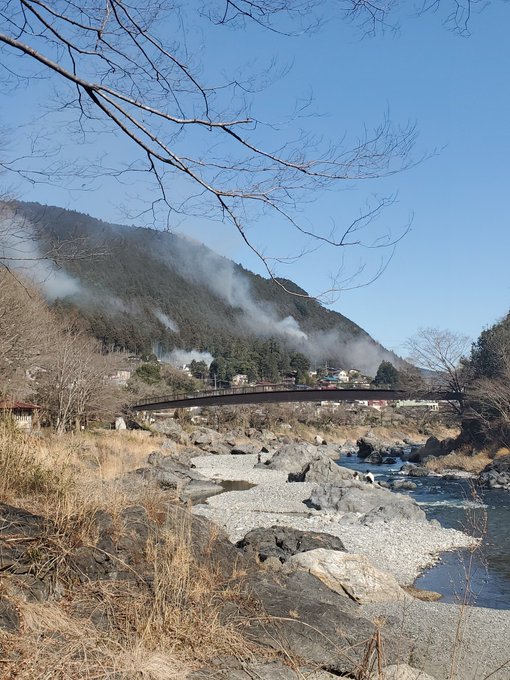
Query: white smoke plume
x=166, y=321
x=19, y=250
x=180, y=357
x=220, y=276
x=197, y=263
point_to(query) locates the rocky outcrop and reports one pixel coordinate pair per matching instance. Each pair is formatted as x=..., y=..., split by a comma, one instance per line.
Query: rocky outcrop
x=246, y=449
x=350, y=575
x=372, y=501
x=403, y=485
x=171, y=429
x=283, y=542
x=274, y=670
x=372, y=445
x=308, y=463
x=204, y=436
x=496, y=475
x=169, y=473
x=292, y=458
x=119, y=552
x=322, y=470
x=433, y=447
x=9, y=617
x=414, y=470
x=309, y=620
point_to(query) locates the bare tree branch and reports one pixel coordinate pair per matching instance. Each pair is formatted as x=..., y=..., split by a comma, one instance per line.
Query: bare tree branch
x=120, y=75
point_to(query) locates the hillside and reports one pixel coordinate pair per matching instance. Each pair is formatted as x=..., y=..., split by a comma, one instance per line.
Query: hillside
x=147, y=290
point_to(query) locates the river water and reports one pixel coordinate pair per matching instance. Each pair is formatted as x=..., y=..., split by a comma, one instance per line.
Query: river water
x=460, y=505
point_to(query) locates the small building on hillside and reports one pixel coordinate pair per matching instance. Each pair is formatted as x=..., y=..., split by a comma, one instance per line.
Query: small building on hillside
x=239, y=379
x=24, y=414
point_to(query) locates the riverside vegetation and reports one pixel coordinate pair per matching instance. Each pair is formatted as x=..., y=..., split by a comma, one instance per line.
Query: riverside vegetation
x=107, y=572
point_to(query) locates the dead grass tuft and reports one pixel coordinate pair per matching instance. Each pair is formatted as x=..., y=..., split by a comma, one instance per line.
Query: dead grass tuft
x=58, y=646
x=459, y=461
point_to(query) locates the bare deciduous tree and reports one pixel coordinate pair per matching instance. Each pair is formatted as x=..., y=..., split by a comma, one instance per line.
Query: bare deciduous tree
x=441, y=354
x=73, y=385
x=24, y=330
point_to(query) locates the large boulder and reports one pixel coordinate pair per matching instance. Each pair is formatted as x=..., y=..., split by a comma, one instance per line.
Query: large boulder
x=283, y=542
x=169, y=473
x=432, y=447
x=292, y=458
x=347, y=574
x=204, y=436
x=307, y=463
x=307, y=619
x=323, y=470
x=171, y=429
x=371, y=443
x=413, y=470
x=366, y=500
x=246, y=449
x=9, y=616
x=403, y=485
x=216, y=447
x=497, y=474
x=375, y=458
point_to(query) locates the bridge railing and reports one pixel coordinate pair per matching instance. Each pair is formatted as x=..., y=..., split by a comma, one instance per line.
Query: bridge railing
x=257, y=389
x=251, y=389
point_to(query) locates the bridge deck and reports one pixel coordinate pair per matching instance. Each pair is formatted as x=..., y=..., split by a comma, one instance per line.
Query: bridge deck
x=276, y=394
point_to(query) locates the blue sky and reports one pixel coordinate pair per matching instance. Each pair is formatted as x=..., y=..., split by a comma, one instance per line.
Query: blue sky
x=451, y=270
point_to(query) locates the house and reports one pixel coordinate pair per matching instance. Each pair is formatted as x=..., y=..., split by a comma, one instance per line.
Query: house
x=289, y=379
x=239, y=379
x=377, y=403
x=330, y=381
x=24, y=414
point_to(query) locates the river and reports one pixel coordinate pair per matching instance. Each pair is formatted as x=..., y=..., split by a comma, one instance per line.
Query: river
x=458, y=504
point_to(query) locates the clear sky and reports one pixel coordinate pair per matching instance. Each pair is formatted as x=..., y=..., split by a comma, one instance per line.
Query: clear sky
x=451, y=270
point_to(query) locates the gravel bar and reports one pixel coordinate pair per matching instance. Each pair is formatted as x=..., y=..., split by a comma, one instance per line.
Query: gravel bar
x=475, y=638
x=403, y=548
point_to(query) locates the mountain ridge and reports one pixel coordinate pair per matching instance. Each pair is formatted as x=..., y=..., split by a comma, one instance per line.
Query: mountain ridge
x=160, y=289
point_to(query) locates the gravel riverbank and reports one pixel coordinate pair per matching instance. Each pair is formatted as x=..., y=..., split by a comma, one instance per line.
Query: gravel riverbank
x=402, y=547
x=452, y=642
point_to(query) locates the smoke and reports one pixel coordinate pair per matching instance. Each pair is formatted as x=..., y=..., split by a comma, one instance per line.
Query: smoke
x=262, y=319
x=221, y=277
x=19, y=250
x=179, y=357
x=166, y=321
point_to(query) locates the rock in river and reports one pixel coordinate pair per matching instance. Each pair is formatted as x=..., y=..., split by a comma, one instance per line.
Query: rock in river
x=369, y=500
x=497, y=474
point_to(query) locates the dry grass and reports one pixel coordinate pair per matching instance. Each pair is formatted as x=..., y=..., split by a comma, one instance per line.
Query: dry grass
x=459, y=461
x=56, y=645
x=184, y=615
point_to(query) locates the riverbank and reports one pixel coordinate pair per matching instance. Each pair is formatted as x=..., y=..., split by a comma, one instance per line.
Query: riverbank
x=450, y=640
x=402, y=547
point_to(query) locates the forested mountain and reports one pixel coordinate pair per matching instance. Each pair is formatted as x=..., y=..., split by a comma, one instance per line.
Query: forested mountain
x=146, y=290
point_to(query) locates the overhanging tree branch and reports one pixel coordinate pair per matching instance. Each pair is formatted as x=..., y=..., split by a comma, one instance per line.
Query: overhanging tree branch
x=128, y=80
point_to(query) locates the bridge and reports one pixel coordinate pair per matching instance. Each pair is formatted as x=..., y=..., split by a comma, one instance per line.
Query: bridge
x=270, y=394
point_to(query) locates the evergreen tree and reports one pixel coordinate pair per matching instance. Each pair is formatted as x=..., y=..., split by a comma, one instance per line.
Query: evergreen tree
x=386, y=374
